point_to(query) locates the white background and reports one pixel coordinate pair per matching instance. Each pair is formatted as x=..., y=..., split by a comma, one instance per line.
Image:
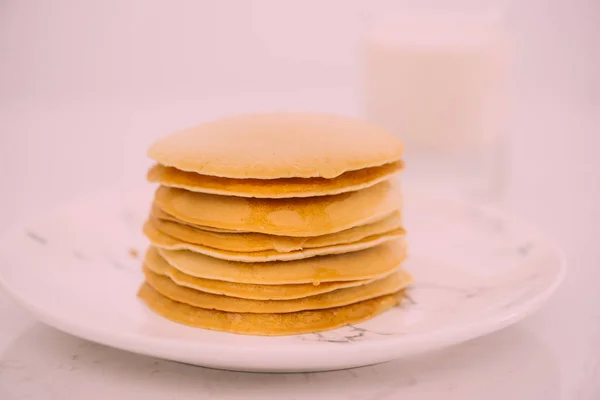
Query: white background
x=86, y=85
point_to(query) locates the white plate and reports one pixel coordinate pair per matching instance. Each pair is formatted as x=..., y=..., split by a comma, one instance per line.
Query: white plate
x=476, y=271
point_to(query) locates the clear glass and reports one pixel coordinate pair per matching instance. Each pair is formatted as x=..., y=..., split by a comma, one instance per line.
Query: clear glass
x=440, y=81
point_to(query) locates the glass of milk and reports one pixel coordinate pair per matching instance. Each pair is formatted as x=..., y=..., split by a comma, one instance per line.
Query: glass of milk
x=440, y=82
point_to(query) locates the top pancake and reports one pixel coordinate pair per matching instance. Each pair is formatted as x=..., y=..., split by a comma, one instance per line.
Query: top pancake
x=278, y=145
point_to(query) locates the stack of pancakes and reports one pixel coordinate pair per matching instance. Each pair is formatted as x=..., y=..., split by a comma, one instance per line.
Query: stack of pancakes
x=275, y=224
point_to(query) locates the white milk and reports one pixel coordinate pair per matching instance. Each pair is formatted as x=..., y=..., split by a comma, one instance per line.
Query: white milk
x=439, y=82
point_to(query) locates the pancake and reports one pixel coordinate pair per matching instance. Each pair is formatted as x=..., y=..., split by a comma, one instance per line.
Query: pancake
x=390, y=284
x=364, y=264
x=155, y=263
x=285, y=217
x=278, y=145
x=164, y=241
x=246, y=242
x=273, y=188
x=267, y=324
x=228, y=239
x=163, y=216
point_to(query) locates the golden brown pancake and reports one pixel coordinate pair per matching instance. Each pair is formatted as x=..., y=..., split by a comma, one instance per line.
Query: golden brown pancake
x=244, y=242
x=278, y=145
x=253, y=242
x=163, y=241
x=390, y=284
x=286, y=217
x=267, y=324
x=158, y=265
x=163, y=216
x=273, y=188
x=364, y=264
